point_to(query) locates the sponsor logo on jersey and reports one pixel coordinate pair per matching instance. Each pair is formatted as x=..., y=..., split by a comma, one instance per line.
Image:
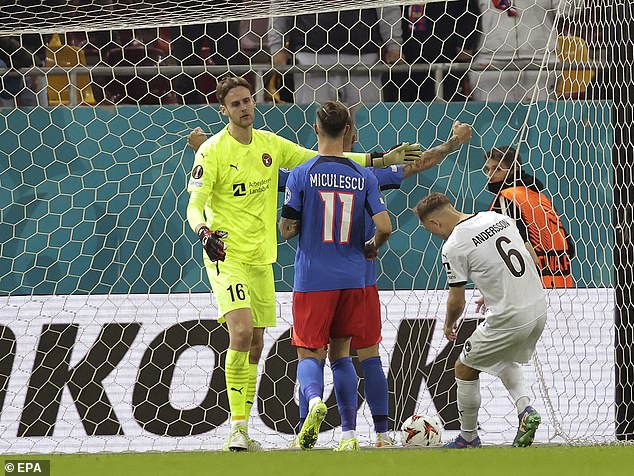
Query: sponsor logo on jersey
x=197, y=172
x=467, y=347
x=267, y=160
x=258, y=186
x=239, y=190
x=235, y=166
x=287, y=196
x=243, y=189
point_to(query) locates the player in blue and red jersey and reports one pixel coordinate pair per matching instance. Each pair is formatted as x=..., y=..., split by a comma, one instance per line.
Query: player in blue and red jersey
x=367, y=347
x=328, y=198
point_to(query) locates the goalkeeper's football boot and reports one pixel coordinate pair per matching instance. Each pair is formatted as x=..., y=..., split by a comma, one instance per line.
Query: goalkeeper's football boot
x=253, y=446
x=383, y=440
x=348, y=445
x=460, y=443
x=238, y=439
x=310, y=429
x=529, y=422
x=295, y=443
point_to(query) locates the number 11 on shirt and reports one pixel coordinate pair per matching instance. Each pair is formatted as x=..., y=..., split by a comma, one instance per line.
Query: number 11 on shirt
x=347, y=207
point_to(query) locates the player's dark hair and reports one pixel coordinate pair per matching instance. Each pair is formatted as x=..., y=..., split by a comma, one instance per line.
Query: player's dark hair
x=332, y=118
x=350, y=121
x=227, y=83
x=431, y=203
x=347, y=139
x=505, y=155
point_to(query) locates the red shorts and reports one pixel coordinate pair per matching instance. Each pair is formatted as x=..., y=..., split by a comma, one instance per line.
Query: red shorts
x=372, y=321
x=320, y=315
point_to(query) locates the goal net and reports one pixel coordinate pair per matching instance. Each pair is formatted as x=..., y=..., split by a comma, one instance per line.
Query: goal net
x=108, y=332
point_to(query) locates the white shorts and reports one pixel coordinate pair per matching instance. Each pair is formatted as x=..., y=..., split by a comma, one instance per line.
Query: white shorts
x=491, y=350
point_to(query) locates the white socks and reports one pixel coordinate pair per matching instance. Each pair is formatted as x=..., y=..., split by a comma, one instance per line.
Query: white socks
x=513, y=379
x=469, y=400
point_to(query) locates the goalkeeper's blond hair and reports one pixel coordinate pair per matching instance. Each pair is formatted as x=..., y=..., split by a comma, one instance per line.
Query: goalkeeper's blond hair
x=227, y=83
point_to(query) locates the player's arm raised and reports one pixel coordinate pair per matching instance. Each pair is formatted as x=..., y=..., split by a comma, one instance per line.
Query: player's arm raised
x=461, y=134
x=196, y=138
x=455, y=307
x=402, y=154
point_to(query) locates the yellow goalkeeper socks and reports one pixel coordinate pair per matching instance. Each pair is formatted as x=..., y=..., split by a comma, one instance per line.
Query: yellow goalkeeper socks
x=237, y=378
x=253, y=376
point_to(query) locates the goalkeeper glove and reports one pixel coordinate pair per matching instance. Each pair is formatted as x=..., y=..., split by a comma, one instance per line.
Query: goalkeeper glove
x=212, y=242
x=405, y=153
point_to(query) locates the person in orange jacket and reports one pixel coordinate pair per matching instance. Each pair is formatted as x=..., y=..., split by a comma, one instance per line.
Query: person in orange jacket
x=521, y=196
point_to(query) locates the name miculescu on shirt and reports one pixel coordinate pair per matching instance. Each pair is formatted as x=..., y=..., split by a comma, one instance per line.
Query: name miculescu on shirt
x=489, y=232
x=336, y=181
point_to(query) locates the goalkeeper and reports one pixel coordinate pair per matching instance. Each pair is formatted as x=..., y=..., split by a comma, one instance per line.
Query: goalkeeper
x=232, y=208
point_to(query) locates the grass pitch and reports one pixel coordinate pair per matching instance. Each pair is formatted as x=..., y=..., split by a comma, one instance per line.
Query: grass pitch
x=545, y=460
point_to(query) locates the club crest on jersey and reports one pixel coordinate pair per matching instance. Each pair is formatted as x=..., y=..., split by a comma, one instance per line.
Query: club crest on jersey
x=267, y=160
x=197, y=172
x=287, y=196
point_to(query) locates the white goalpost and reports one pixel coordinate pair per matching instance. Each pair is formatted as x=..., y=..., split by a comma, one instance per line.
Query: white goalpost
x=108, y=332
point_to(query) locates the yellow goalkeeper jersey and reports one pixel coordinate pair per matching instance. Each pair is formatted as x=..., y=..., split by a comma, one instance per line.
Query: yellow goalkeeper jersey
x=236, y=187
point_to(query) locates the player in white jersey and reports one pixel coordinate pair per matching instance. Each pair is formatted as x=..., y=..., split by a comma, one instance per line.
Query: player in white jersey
x=487, y=249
